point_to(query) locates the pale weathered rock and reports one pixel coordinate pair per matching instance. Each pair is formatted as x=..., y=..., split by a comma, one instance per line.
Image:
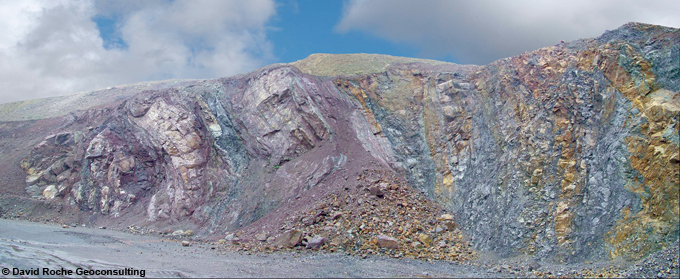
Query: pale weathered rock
x=339, y=241
x=50, y=192
x=289, y=238
x=32, y=178
x=315, y=242
x=126, y=164
x=387, y=242
x=424, y=238
x=261, y=237
x=446, y=217
x=63, y=176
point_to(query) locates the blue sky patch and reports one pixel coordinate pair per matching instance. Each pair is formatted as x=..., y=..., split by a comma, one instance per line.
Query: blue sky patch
x=109, y=31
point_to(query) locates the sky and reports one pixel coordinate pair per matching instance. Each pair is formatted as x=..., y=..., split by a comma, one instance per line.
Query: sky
x=60, y=47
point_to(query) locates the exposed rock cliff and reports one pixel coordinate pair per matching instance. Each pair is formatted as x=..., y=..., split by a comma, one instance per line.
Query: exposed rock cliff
x=569, y=152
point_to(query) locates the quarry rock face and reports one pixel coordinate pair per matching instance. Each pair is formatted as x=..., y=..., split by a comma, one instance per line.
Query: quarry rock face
x=569, y=152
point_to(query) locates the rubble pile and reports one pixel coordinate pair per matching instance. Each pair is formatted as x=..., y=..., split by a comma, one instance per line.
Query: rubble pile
x=380, y=216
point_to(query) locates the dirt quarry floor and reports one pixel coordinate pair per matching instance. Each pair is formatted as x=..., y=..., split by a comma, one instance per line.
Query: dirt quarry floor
x=25, y=246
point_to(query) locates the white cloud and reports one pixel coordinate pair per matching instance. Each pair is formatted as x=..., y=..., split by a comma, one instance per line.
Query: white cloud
x=482, y=31
x=52, y=47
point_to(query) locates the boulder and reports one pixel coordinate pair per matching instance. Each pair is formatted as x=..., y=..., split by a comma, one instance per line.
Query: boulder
x=289, y=239
x=33, y=178
x=97, y=147
x=58, y=167
x=425, y=239
x=261, y=237
x=63, y=176
x=49, y=177
x=50, y=192
x=315, y=242
x=387, y=242
x=375, y=191
x=126, y=164
x=339, y=241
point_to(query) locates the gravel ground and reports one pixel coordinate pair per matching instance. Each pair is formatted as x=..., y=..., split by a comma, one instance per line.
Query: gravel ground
x=662, y=264
x=27, y=245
